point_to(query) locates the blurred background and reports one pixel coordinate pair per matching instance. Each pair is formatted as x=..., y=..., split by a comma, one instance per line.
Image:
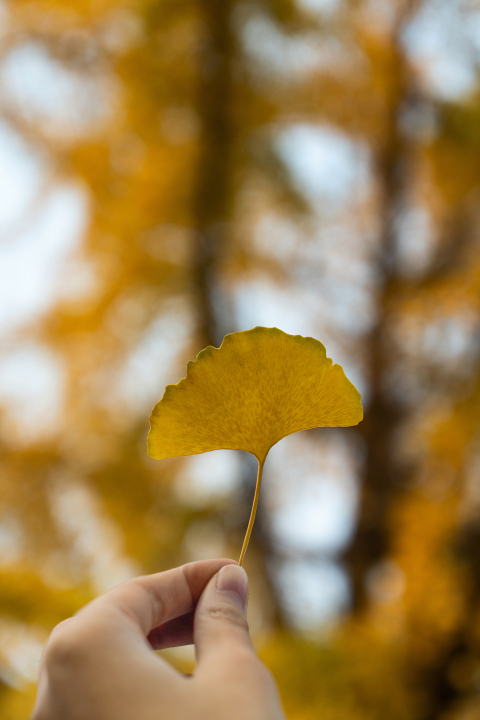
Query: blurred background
x=174, y=170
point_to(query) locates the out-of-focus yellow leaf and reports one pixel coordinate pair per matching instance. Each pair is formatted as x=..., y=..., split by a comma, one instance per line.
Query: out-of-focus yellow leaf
x=258, y=387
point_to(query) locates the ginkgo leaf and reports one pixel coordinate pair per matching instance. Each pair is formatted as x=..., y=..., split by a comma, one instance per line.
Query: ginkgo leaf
x=257, y=387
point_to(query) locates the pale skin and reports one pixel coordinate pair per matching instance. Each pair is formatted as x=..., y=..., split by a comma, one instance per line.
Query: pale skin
x=99, y=665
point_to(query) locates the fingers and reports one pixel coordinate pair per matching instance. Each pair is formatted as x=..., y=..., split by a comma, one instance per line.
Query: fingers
x=151, y=600
x=122, y=618
x=110, y=633
x=220, y=625
x=101, y=654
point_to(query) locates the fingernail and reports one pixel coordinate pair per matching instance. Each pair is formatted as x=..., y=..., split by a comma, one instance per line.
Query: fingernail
x=233, y=580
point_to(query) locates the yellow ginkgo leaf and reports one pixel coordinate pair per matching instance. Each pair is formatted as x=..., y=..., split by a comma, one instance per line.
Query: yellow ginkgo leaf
x=248, y=394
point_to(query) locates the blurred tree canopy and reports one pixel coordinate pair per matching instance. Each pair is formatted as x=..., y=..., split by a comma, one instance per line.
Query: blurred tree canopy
x=313, y=165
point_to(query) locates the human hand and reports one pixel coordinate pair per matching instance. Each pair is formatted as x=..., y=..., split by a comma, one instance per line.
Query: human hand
x=99, y=665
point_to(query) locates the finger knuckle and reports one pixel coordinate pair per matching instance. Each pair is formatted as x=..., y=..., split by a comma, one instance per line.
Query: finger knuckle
x=227, y=613
x=66, y=647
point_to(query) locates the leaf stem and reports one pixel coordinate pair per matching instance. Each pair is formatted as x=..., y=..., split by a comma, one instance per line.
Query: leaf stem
x=253, y=513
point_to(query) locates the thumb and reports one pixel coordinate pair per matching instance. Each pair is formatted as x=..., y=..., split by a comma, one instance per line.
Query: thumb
x=220, y=625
